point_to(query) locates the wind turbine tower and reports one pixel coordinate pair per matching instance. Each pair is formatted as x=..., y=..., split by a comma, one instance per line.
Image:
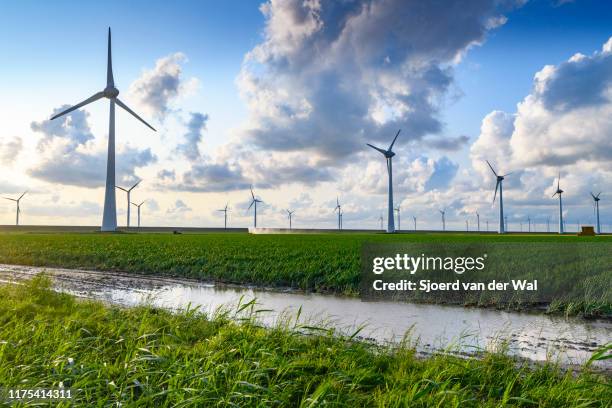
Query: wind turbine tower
x=389, y=157
x=399, y=223
x=129, y=191
x=381, y=221
x=559, y=192
x=499, y=185
x=254, y=201
x=529, y=222
x=443, y=213
x=414, y=219
x=596, y=207
x=109, y=218
x=224, y=210
x=138, y=209
x=17, y=201
x=339, y=209
x=290, y=214
x=478, y=220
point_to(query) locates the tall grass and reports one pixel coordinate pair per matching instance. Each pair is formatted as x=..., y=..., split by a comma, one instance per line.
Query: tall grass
x=149, y=357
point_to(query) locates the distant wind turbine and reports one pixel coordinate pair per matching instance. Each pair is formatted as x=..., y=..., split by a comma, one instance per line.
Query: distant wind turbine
x=381, y=221
x=109, y=219
x=499, y=185
x=138, y=209
x=478, y=220
x=467, y=225
x=399, y=224
x=129, y=191
x=529, y=222
x=414, y=219
x=339, y=209
x=290, y=214
x=487, y=225
x=548, y=224
x=17, y=201
x=596, y=208
x=224, y=210
x=254, y=201
x=559, y=192
x=389, y=157
x=443, y=213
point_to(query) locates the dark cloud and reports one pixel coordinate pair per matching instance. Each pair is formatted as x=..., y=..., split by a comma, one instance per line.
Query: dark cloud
x=195, y=128
x=332, y=75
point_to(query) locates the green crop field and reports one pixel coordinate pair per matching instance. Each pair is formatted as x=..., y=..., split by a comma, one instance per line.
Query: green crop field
x=145, y=357
x=317, y=262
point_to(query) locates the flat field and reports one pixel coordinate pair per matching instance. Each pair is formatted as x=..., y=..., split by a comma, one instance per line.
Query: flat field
x=144, y=357
x=313, y=262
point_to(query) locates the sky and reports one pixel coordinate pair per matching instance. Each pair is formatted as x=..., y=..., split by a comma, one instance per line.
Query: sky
x=284, y=96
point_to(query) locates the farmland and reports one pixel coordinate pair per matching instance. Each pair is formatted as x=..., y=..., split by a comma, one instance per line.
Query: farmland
x=149, y=357
x=312, y=262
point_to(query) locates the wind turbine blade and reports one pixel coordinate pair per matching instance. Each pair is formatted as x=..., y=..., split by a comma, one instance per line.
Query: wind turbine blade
x=21, y=196
x=6, y=198
x=124, y=106
x=121, y=188
x=559, y=181
x=134, y=186
x=495, y=195
x=87, y=101
x=507, y=174
x=491, y=167
x=110, y=82
x=252, y=194
x=394, y=139
x=252, y=202
x=376, y=148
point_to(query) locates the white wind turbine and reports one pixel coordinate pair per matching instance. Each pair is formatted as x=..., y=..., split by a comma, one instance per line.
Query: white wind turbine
x=224, y=211
x=389, y=156
x=17, y=201
x=254, y=201
x=109, y=218
x=138, y=210
x=443, y=213
x=414, y=219
x=128, y=192
x=339, y=209
x=499, y=184
x=478, y=220
x=399, y=221
x=381, y=221
x=559, y=192
x=596, y=208
x=290, y=215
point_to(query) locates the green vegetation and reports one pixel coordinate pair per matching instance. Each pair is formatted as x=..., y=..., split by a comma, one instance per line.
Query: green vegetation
x=148, y=357
x=318, y=262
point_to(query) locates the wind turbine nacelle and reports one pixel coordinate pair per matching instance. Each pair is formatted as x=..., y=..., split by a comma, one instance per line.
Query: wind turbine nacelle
x=389, y=154
x=111, y=92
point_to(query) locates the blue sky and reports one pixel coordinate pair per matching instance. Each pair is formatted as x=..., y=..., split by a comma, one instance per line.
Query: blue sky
x=56, y=56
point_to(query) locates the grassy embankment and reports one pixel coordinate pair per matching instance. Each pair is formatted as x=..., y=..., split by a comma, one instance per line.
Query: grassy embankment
x=149, y=357
x=319, y=262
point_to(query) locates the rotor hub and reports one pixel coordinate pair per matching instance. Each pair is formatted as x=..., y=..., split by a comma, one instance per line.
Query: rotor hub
x=111, y=92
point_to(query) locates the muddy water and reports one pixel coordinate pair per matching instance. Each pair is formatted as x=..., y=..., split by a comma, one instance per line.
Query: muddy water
x=430, y=327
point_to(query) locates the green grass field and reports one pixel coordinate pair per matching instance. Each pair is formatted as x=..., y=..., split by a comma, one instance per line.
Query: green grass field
x=317, y=262
x=111, y=356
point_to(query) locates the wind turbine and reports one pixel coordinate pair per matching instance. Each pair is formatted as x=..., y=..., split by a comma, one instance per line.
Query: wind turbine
x=17, y=201
x=499, y=184
x=290, y=214
x=138, y=207
x=414, y=219
x=467, y=225
x=443, y=212
x=399, y=224
x=254, y=201
x=478, y=220
x=559, y=192
x=529, y=221
x=487, y=225
x=224, y=210
x=381, y=221
x=109, y=218
x=339, y=209
x=596, y=208
x=389, y=156
x=128, y=191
